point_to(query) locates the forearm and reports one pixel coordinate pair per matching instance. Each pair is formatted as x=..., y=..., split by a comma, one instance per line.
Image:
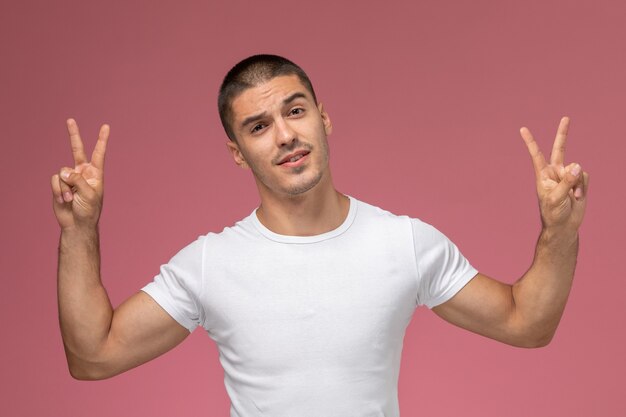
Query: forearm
x=85, y=311
x=527, y=313
x=541, y=294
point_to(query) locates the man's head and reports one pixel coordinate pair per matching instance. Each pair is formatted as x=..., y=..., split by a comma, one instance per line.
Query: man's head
x=249, y=73
x=276, y=126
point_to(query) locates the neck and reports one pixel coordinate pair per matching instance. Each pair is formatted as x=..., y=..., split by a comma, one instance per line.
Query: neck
x=318, y=210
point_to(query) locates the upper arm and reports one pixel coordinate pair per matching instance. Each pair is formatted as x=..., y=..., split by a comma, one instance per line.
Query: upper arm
x=140, y=331
x=487, y=307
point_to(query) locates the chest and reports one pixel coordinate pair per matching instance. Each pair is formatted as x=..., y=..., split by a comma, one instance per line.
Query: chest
x=292, y=303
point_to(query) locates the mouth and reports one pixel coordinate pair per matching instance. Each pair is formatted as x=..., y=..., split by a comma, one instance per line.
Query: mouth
x=293, y=158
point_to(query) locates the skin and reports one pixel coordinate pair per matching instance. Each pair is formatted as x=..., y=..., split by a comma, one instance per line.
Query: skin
x=296, y=199
x=99, y=342
x=302, y=200
x=527, y=313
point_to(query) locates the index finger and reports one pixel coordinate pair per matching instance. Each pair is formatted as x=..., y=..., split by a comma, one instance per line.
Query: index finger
x=558, y=149
x=97, y=157
x=78, y=151
x=539, y=162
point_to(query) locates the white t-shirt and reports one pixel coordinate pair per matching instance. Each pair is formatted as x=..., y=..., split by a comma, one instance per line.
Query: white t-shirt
x=312, y=326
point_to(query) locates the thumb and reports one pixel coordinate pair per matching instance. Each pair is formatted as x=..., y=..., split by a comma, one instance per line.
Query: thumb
x=571, y=179
x=77, y=182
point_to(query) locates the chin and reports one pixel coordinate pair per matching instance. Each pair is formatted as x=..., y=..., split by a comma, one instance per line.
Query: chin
x=303, y=187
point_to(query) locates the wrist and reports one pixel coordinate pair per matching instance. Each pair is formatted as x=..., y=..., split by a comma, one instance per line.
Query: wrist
x=79, y=235
x=558, y=236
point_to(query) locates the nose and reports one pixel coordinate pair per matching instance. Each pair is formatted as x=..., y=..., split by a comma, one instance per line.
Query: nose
x=285, y=135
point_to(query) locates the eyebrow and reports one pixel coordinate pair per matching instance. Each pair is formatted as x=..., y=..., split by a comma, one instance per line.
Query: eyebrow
x=258, y=116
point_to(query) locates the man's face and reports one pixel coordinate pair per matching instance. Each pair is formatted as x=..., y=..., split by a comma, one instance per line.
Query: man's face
x=281, y=135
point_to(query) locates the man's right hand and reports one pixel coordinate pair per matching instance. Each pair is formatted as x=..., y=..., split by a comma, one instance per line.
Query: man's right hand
x=99, y=342
x=78, y=192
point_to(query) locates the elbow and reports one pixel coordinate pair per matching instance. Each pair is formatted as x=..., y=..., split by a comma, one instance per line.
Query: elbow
x=543, y=341
x=534, y=344
x=534, y=340
x=83, y=370
x=531, y=333
x=81, y=373
x=85, y=374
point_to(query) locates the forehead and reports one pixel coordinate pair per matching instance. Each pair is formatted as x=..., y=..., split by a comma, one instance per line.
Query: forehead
x=267, y=96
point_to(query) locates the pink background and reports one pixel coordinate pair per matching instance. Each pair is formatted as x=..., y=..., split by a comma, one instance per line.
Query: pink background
x=426, y=98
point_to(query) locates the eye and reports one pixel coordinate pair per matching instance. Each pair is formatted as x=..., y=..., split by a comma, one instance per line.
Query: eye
x=258, y=127
x=296, y=111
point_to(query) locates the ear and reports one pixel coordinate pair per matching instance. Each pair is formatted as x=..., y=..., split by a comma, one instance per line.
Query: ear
x=328, y=126
x=234, y=150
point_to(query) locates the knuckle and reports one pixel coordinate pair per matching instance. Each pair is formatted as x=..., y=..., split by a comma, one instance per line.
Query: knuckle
x=552, y=200
x=73, y=178
x=65, y=172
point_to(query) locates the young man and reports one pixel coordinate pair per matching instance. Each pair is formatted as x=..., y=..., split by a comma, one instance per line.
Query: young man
x=308, y=297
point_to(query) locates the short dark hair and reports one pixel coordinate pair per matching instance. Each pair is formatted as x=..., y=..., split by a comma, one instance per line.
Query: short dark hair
x=251, y=72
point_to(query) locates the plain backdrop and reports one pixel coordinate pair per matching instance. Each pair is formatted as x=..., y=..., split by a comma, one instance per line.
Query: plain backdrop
x=426, y=97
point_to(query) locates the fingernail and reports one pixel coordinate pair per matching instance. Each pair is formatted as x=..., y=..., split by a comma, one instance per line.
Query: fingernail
x=67, y=196
x=578, y=193
x=60, y=199
x=575, y=170
x=65, y=174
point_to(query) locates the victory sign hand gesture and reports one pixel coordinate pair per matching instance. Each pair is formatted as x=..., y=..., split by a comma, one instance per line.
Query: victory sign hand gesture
x=77, y=192
x=562, y=190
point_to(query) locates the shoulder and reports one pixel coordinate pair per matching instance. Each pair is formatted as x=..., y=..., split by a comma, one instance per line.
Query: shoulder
x=194, y=251
x=242, y=232
x=374, y=215
x=371, y=212
x=424, y=234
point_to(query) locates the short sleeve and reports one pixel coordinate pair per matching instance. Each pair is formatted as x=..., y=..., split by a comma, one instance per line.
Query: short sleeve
x=178, y=285
x=442, y=269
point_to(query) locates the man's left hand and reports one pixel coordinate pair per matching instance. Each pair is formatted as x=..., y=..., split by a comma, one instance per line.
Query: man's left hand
x=562, y=190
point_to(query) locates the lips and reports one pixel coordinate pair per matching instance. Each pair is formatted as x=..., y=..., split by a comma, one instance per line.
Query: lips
x=294, y=156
